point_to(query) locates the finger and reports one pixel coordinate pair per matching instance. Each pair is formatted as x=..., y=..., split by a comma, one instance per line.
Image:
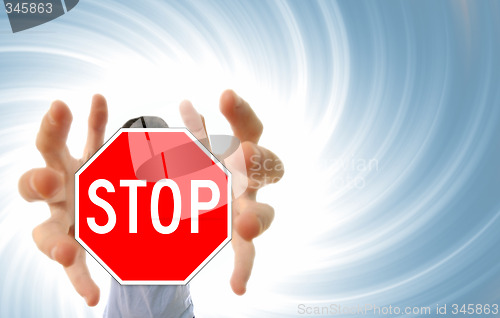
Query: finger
x=42, y=184
x=244, y=122
x=244, y=254
x=253, y=218
x=263, y=166
x=51, y=139
x=53, y=240
x=194, y=122
x=79, y=275
x=98, y=119
x=236, y=164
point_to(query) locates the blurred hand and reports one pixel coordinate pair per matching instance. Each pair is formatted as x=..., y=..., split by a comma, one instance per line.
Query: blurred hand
x=261, y=167
x=54, y=184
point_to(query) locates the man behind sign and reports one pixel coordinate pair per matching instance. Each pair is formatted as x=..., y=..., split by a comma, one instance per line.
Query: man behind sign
x=54, y=184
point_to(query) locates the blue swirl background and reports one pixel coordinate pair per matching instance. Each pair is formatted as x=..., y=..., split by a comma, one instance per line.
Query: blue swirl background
x=386, y=114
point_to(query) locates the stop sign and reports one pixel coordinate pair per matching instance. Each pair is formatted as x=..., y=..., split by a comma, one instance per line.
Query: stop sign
x=153, y=206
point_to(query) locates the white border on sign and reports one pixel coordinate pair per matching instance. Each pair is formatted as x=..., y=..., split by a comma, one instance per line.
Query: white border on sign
x=229, y=205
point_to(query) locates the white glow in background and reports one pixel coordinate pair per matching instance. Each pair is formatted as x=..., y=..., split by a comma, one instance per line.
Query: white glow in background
x=410, y=87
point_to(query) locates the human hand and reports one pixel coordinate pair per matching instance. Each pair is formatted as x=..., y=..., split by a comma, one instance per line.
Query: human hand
x=250, y=218
x=54, y=184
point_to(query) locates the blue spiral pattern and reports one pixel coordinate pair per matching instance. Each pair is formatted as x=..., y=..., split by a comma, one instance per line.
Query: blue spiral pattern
x=386, y=114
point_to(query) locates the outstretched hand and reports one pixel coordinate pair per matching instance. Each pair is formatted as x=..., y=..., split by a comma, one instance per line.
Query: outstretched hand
x=54, y=184
x=261, y=167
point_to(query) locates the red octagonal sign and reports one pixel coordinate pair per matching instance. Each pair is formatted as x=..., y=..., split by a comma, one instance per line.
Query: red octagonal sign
x=153, y=206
